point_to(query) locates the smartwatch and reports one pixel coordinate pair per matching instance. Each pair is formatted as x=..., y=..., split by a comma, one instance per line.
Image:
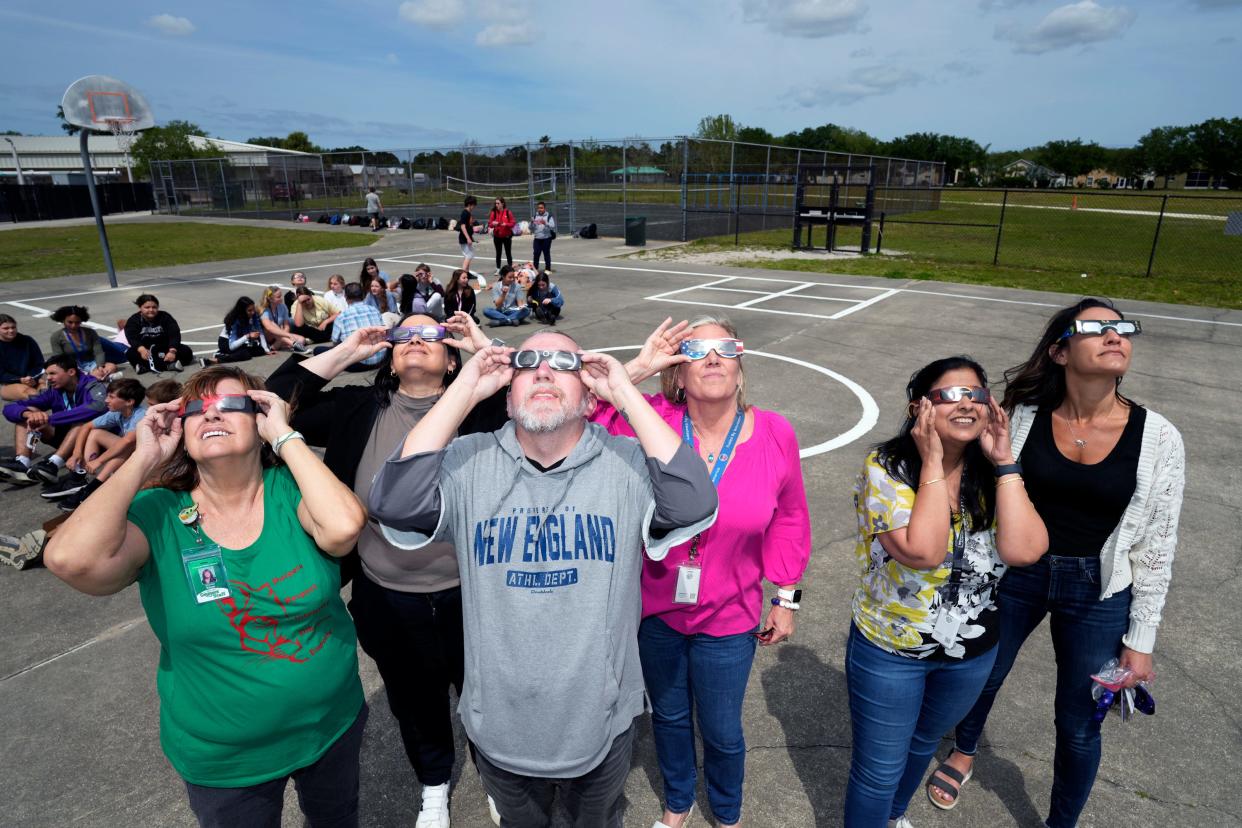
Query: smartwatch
x=1009, y=468
x=794, y=596
x=498, y=342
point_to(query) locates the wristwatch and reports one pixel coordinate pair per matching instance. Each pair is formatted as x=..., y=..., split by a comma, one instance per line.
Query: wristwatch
x=498, y=342
x=794, y=596
x=1009, y=468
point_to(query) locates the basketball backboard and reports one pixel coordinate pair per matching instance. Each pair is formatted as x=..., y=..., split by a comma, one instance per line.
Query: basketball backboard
x=101, y=103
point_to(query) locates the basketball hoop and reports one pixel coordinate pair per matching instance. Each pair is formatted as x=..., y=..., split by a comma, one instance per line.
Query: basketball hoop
x=123, y=130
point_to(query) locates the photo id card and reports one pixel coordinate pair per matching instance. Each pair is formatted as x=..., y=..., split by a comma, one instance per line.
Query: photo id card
x=948, y=621
x=688, y=577
x=205, y=573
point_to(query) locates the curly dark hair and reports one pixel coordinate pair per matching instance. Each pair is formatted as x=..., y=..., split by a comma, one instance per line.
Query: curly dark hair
x=65, y=311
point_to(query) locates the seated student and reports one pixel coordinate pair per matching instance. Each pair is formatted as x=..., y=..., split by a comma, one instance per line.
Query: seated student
x=81, y=342
x=460, y=296
x=358, y=315
x=508, y=301
x=242, y=335
x=545, y=299
x=383, y=300
x=21, y=362
x=154, y=339
x=335, y=295
x=312, y=315
x=100, y=465
x=421, y=293
x=297, y=280
x=276, y=322
x=125, y=409
x=71, y=399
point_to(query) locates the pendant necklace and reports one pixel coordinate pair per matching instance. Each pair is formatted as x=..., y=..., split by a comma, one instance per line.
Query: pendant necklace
x=1078, y=441
x=711, y=455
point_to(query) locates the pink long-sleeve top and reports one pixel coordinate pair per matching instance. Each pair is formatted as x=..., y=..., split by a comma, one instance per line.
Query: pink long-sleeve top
x=763, y=529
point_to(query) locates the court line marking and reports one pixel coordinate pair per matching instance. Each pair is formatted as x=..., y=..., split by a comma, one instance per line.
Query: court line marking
x=752, y=309
x=768, y=296
x=870, y=411
x=865, y=303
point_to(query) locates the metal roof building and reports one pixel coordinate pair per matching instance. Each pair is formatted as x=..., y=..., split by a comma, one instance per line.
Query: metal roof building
x=56, y=158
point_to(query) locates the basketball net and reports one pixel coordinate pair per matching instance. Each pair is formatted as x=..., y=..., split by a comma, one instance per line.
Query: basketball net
x=123, y=130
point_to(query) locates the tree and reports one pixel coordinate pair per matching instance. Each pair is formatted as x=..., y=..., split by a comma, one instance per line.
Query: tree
x=956, y=152
x=1073, y=158
x=755, y=135
x=170, y=142
x=70, y=129
x=267, y=141
x=1167, y=151
x=10, y=132
x=1218, y=148
x=833, y=138
x=299, y=141
x=717, y=127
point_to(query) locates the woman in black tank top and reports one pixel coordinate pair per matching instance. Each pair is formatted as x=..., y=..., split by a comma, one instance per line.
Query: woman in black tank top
x=1089, y=457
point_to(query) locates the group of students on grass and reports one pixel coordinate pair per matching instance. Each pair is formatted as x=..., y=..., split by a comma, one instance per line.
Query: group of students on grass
x=565, y=552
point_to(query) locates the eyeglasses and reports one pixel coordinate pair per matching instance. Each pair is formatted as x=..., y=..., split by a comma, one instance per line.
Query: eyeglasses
x=952, y=394
x=700, y=348
x=227, y=402
x=1096, y=327
x=427, y=333
x=557, y=360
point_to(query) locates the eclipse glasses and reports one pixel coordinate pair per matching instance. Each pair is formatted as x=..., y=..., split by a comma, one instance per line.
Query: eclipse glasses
x=699, y=348
x=227, y=402
x=528, y=360
x=955, y=393
x=1096, y=327
x=427, y=333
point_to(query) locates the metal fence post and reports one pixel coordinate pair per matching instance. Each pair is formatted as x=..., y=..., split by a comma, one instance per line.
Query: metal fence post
x=409, y=169
x=571, y=187
x=323, y=177
x=685, y=178
x=736, y=218
x=999, y=227
x=767, y=175
x=224, y=185
x=1156, y=238
x=289, y=194
x=624, y=195
x=530, y=183
x=254, y=185
x=732, y=153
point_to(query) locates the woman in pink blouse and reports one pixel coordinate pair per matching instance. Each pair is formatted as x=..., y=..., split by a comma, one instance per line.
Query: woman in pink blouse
x=702, y=603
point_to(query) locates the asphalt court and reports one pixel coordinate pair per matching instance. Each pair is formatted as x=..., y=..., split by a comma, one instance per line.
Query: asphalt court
x=78, y=711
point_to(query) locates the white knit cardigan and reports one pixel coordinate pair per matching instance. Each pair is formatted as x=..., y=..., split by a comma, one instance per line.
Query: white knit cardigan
x=1139, y=552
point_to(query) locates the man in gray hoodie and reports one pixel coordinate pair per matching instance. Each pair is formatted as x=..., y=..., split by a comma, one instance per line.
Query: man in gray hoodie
x=549, y=517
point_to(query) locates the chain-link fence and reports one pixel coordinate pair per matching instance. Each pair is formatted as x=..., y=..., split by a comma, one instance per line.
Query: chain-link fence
x=685, y=188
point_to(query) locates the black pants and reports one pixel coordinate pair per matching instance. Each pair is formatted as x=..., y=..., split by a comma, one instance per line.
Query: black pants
x=594, y=800
x=545, y=313
x=312, y=333
x=543, y=246
x=327, y=791
x=184, y=355
x=505, y=244
x=252, y=348
x=416, y=641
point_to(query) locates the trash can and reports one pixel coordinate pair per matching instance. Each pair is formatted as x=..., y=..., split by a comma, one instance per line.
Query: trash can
x=635, y=231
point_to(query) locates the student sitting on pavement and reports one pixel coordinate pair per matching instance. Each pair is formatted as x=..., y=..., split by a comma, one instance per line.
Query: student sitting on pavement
x=241, y=337
x=359, y=314
x=312, y=315
x=277, y=322
x=21, y=362
x=81, y=342
x=71, y=399
x=460, y=296
x=125, y=409
x=297, y=280
x=546, y=300
x=508, y=301
x=421, y=293
x=154, y=339
x=106, y=447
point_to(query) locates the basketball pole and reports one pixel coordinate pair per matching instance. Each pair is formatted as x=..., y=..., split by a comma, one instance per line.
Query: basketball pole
x=99, y=222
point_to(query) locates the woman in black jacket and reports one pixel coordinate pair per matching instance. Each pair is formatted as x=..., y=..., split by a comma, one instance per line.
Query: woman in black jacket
x=407, y=608
x=154, y=339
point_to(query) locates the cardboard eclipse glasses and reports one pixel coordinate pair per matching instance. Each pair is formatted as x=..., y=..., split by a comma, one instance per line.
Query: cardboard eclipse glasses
x=223, y=403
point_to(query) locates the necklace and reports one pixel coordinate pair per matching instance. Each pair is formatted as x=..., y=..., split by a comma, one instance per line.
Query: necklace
x=711, y=455
x=1078, y=441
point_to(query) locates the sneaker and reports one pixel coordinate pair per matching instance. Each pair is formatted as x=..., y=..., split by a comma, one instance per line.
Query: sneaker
x=177, y=366
x=435, y=810
x=151, y=363
x=15, y=471
x=71, y=483
x=902, y=821
x=203, y=363
x=114, y=376
x=492, y=811
x=299, y=347
x=73, y=501
x=45, y=471
x=143, y=368
x=23, y=552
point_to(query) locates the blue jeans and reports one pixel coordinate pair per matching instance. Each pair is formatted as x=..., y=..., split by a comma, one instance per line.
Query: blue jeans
x=1086, y=632
x=704, y=675
x=512, y=316
x=544, y=247
x=899, y=709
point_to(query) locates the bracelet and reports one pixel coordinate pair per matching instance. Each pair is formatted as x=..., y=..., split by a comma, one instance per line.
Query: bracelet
x=1010, y=480
x=1008, y=468
x=929, y=482
x=280, y=441
x=789, y=605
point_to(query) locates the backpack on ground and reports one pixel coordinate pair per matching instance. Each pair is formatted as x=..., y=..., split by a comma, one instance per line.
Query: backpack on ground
x=403, y=224
x=419, y=224
x=334, y=219
x=442, y=223
x=323, y=219
x=587, y=232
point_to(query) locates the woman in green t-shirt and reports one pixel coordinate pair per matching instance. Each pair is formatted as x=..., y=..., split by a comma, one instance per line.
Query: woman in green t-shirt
x=235, y=557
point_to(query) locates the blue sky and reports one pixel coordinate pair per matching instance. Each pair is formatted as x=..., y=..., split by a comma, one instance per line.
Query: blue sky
x=421, y=73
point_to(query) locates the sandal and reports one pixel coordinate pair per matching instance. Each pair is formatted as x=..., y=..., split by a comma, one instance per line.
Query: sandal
x=950, y=774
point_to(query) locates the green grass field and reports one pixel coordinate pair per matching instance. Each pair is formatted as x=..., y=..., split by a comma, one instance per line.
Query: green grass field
x=39, y=253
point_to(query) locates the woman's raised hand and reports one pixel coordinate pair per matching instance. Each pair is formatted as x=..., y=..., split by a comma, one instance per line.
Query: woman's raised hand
x=995, y=437
x=473, y=341
x=661, y=350
x=159, y=433
x=926, y=438
x=366, y=342
x=273, y=415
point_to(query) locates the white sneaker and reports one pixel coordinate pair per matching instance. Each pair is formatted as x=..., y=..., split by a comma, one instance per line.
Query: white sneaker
x=902, y=821
x=435, y=810
x=115, y=375
x=491, y=810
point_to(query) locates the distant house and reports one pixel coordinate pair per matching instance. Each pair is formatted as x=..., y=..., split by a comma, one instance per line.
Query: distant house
x=639, y=175
x=1037, y=174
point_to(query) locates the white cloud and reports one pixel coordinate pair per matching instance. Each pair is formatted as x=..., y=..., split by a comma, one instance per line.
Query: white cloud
x=506, y=34
x=1076, y=24
x=434, y=14
x=866, y=82
x=806, y=18
x=391, y=59
x=171, y=25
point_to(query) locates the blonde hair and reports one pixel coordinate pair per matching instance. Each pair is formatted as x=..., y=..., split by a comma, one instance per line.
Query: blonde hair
x=668, y=377
x=268, y=293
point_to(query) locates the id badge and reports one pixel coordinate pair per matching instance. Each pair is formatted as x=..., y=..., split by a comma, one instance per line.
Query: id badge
x=205, y=573
x=688, y=577
x=947, y=624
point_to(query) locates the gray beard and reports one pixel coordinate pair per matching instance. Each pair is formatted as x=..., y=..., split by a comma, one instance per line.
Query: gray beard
x=548, y=423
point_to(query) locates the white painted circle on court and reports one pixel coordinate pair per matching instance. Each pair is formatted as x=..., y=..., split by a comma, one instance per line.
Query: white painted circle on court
x=866, y=422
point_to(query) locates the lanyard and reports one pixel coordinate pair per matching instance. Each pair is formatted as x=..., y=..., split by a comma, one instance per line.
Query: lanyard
x=77, y=349
x=718, y=470
x=959, y=551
